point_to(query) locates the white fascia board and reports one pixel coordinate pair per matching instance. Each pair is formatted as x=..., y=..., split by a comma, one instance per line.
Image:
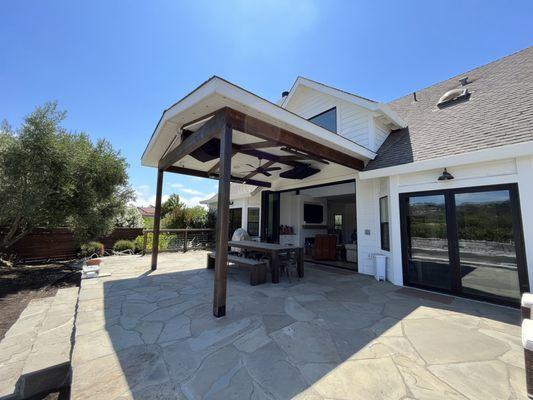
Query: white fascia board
x=204, y=90
x=392, y=115
x=351, y=98
x=492, y=154
x=301, y=81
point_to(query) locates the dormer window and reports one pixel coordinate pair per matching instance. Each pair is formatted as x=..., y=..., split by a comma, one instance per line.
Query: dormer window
x=326, y=119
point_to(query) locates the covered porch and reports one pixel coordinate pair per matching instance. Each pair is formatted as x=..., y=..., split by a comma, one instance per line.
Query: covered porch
x=221, y=131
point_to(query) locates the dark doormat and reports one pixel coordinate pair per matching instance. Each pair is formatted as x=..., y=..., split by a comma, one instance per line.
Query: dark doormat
x=422, y=294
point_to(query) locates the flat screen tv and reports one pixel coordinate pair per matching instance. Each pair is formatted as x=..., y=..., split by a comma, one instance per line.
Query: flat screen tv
x=313, y=213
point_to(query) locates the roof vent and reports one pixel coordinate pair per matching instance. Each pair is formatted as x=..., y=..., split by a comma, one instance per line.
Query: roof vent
x=284, y=94
x=453, y=96
x=464, y=81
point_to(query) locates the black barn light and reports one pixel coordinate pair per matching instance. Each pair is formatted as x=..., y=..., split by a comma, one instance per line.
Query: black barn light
x=446, y=176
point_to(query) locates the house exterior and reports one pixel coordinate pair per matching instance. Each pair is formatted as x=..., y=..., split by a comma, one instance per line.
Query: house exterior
x=147, y=212
x=440, y=181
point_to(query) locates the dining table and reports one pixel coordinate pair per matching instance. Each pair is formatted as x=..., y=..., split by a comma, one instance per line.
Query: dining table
x=273, y=250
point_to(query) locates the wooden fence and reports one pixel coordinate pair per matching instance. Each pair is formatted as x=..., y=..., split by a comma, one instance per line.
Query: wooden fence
x=60, y=244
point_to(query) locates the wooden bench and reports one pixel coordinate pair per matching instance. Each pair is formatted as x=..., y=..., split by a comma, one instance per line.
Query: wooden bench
x=258, y=268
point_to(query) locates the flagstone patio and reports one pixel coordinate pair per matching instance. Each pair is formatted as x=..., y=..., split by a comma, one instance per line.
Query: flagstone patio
x=331, y=335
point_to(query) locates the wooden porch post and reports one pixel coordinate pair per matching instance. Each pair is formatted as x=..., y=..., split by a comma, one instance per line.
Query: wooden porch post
x=157, y=218
x=219, y=298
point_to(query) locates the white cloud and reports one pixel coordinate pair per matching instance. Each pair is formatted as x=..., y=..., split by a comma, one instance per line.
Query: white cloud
x=195, y=200
x=147, y=200
x=193, y=192
x=144, y=197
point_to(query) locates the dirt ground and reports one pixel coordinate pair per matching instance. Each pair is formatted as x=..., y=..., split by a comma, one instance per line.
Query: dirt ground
x=22, y=283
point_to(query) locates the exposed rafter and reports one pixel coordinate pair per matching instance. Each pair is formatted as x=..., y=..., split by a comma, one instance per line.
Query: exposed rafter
x=257, y=145
x=204, y=174
x=282, y=137
x=208, y=131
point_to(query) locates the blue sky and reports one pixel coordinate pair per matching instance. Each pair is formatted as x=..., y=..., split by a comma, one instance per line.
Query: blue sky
x=116, y=65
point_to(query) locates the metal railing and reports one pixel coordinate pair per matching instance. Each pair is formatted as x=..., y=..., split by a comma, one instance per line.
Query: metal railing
x=181, y=239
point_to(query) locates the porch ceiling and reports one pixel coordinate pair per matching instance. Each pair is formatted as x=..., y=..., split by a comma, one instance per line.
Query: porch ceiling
x=193, y=111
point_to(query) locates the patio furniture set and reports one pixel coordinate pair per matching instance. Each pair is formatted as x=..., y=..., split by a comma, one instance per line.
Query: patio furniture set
x=261, y=256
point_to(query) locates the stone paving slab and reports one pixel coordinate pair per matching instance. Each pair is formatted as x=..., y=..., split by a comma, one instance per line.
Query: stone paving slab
x=48, y=364
x=17, y=344
x=151, y=335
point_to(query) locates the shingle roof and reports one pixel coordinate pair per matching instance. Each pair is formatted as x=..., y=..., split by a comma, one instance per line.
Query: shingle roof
x=147, y=211
x=499, y=112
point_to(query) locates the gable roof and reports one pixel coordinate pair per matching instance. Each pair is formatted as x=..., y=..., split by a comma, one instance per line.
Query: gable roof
x=217, y=93
x=370, y=105
x=499, y=112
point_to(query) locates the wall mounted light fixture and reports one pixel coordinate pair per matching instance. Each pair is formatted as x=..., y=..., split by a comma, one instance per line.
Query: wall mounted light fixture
x=446, y=176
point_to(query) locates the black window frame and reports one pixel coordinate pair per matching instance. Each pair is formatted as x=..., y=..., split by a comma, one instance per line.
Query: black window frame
x=255, y=223
x=322, y=113
x=384, y=225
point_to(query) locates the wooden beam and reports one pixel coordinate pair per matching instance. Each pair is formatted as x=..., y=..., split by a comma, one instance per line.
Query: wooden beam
x=207, y=132
x=204, y=174
x=214, y=168
x=221, y=260
x=157, y=219
x=283, y=137
x=257, y=145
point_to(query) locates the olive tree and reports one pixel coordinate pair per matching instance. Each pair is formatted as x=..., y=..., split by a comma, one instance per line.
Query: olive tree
x=50, y=177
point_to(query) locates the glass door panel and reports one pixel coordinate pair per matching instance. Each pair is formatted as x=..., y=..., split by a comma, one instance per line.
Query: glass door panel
x=428, y=260
x=487, y=251
x=235, y=220
x=270, y=204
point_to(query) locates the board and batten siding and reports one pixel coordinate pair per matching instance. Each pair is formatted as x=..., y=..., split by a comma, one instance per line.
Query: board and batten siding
x=352, y=120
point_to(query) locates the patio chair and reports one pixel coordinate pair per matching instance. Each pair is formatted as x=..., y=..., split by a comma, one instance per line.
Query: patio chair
x=288, y=263
x=525, y=305
x=527, y=343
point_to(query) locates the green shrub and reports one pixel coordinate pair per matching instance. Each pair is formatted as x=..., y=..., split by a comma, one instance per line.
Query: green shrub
x=164, y=241
x=138, y=244
x=90, y=248
x=121, y=245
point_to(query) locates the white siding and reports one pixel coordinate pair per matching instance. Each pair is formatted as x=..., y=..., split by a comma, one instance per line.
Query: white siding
x=352, y=120
x=367, y=225
x=381, y=132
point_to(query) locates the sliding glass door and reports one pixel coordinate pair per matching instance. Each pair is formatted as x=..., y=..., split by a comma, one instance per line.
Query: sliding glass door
x=465, y=241
x=428, y=261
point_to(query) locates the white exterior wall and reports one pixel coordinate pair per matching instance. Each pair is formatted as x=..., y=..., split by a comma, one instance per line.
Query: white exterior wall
x=515, y=170
x=244, y=203
x=353, y=122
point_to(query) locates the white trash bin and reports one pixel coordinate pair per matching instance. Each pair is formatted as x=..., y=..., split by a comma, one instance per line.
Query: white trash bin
x=381, y=267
